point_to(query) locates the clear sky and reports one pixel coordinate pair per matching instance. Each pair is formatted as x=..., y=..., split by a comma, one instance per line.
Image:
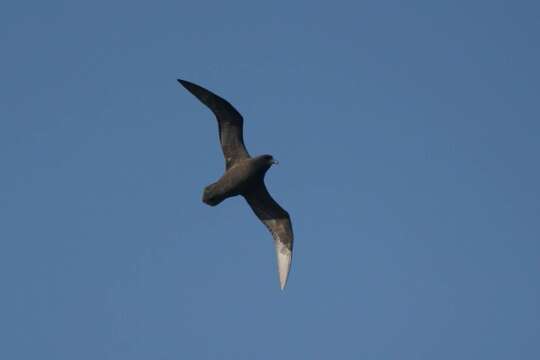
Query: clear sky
x=408, y=136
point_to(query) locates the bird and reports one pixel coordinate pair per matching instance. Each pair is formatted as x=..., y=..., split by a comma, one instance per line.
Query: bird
x=244, y=176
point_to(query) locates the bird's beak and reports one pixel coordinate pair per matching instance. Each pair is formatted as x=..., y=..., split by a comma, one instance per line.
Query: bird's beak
x=275, y=162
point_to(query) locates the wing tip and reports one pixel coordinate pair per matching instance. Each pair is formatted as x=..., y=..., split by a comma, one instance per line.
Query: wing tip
x=184, y=83
x=204, y=95
x=284, y=257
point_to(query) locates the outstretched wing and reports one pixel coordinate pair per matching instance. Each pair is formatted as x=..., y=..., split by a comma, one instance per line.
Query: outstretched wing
x=277, y=220
x=229, y=120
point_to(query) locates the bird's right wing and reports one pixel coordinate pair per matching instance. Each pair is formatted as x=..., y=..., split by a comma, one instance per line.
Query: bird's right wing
x=278, y=221
x=229, y=120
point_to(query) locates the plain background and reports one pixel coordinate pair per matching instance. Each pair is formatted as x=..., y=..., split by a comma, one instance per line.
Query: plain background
x=408, y=136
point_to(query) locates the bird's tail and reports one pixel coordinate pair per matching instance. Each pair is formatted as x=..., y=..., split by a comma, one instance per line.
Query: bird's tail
x=211, y=196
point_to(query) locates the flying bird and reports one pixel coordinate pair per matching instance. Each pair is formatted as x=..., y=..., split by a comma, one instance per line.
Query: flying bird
x=244, y=175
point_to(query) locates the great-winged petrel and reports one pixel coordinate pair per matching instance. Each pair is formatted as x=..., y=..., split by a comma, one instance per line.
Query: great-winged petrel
x=244, y=175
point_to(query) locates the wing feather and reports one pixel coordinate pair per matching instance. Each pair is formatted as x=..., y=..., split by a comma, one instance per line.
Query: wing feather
x=278, y=222
x=230, y=123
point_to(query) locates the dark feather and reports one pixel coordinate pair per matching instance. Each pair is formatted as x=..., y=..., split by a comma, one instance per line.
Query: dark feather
x=278, y=222
x=229, y=120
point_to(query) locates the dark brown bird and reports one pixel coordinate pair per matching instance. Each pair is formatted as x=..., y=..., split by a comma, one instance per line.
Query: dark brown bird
x=244, y=175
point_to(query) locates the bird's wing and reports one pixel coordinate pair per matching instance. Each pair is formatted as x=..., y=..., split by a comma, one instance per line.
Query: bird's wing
x=277, y=220
x=229, y=120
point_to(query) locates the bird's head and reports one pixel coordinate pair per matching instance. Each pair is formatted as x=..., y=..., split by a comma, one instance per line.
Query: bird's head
x=269, y=159
x=264, y=162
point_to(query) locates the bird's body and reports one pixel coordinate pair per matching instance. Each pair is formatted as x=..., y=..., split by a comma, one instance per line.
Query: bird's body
x=237, y=180
x=244, y=175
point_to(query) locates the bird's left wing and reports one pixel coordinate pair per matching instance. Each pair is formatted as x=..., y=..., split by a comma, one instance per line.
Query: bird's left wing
x=278, y=221
x=229, y=120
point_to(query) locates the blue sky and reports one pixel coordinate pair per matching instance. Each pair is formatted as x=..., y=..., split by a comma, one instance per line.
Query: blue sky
x=408, y=140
